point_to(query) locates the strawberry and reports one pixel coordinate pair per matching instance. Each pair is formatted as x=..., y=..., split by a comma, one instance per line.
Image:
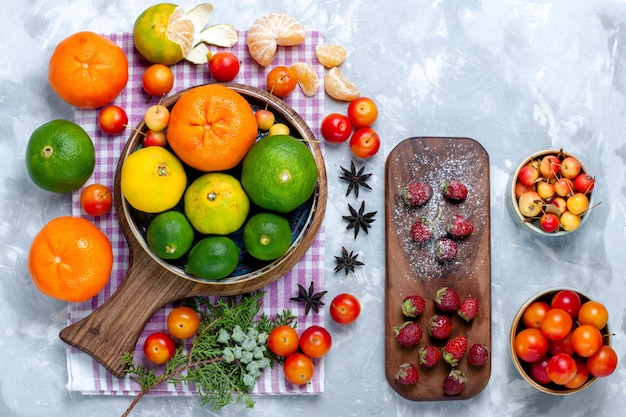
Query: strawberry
x=459, y=226
x=416, y=193
x=468, y=309
x=413, y=306
x=421, y=231
x=445, y=249
x=440, y=326
x=408, y=333
x=447, y=300
x=454, y=382
x=429, y=356
x=478, y=354
x=454, y=350
x=407, y=374
x=455, y=191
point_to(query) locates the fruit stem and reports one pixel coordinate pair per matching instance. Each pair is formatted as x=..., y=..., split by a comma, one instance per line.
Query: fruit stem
x=429, y=222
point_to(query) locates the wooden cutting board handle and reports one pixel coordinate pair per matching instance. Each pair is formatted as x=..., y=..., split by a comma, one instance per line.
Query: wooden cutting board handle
x=114, y=328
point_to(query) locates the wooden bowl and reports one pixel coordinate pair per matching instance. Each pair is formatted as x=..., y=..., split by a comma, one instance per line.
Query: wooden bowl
x=532, y=225
x=523, y=367
x=151, y=282
x=251, y=274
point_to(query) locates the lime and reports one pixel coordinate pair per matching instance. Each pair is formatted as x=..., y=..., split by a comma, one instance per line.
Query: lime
x=153, y=179
x=60, y=156
x=214, y=257
x=267, y=236
x=279, y=173
x=170, y=235
x=216, y=204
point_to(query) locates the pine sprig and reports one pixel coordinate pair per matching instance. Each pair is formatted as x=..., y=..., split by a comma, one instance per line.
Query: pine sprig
x=225, y=357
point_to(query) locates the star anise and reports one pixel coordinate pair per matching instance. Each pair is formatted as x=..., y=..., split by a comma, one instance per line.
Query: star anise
x=355, y=179
x=358, y=220
x=312, y=299
x=347, y=261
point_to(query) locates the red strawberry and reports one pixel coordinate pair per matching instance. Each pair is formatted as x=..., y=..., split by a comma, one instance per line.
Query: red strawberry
x=454, y=382
x=454, y=350
x=478, y=354
x=429, y=356
x=407, y=374
x=421, y=232
x=445, y=249
x=459, y=226
x=413, y=306
x=408, y=333
x=440, y=326
x=468, y=309
x=454, y=190
x=447, y=300
x=416, y=193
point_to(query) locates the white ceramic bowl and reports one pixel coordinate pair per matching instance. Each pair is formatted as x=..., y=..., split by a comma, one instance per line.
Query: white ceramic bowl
x=532, y=225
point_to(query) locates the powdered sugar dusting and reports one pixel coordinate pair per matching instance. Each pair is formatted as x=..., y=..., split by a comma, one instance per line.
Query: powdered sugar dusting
x=451, y=160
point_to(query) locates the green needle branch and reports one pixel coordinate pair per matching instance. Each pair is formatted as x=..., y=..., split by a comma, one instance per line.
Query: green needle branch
x=224, y=359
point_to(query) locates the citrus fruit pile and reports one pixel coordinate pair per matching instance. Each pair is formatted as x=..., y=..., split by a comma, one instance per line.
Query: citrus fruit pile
x=87, y=71
x=192, y=183
x=70, y=259
x=217, y=193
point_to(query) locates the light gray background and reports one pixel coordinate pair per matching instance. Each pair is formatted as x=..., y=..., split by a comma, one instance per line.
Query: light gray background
x=518, y=76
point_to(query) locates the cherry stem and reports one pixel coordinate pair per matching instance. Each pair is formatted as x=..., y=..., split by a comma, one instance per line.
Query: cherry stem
x=159, y=105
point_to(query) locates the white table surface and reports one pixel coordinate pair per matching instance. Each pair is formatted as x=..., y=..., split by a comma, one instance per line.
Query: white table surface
x=518, y=76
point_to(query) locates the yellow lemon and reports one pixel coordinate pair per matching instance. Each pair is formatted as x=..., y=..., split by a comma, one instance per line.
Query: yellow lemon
x=215, y=203
x=153, y=179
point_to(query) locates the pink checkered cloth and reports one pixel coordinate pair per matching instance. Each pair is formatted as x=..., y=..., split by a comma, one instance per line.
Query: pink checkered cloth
x=84, y=373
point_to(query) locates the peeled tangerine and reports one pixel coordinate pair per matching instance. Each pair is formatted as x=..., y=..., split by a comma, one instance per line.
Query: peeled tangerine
x=338, y=87
x=306, y=77
x=330, y=56
x=166, y=34
x=271, y=31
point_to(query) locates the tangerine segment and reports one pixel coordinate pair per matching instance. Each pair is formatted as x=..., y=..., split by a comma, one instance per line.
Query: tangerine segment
x=211, y=128
x=338, y=87
x=306, y=77
x=88, y=70
x=330, y=56
x=70, y=259
x=269, y=32
x=181, y=30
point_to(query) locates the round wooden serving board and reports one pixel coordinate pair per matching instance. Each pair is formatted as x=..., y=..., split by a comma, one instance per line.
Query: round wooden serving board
x=412, y=269
x=150, y=283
